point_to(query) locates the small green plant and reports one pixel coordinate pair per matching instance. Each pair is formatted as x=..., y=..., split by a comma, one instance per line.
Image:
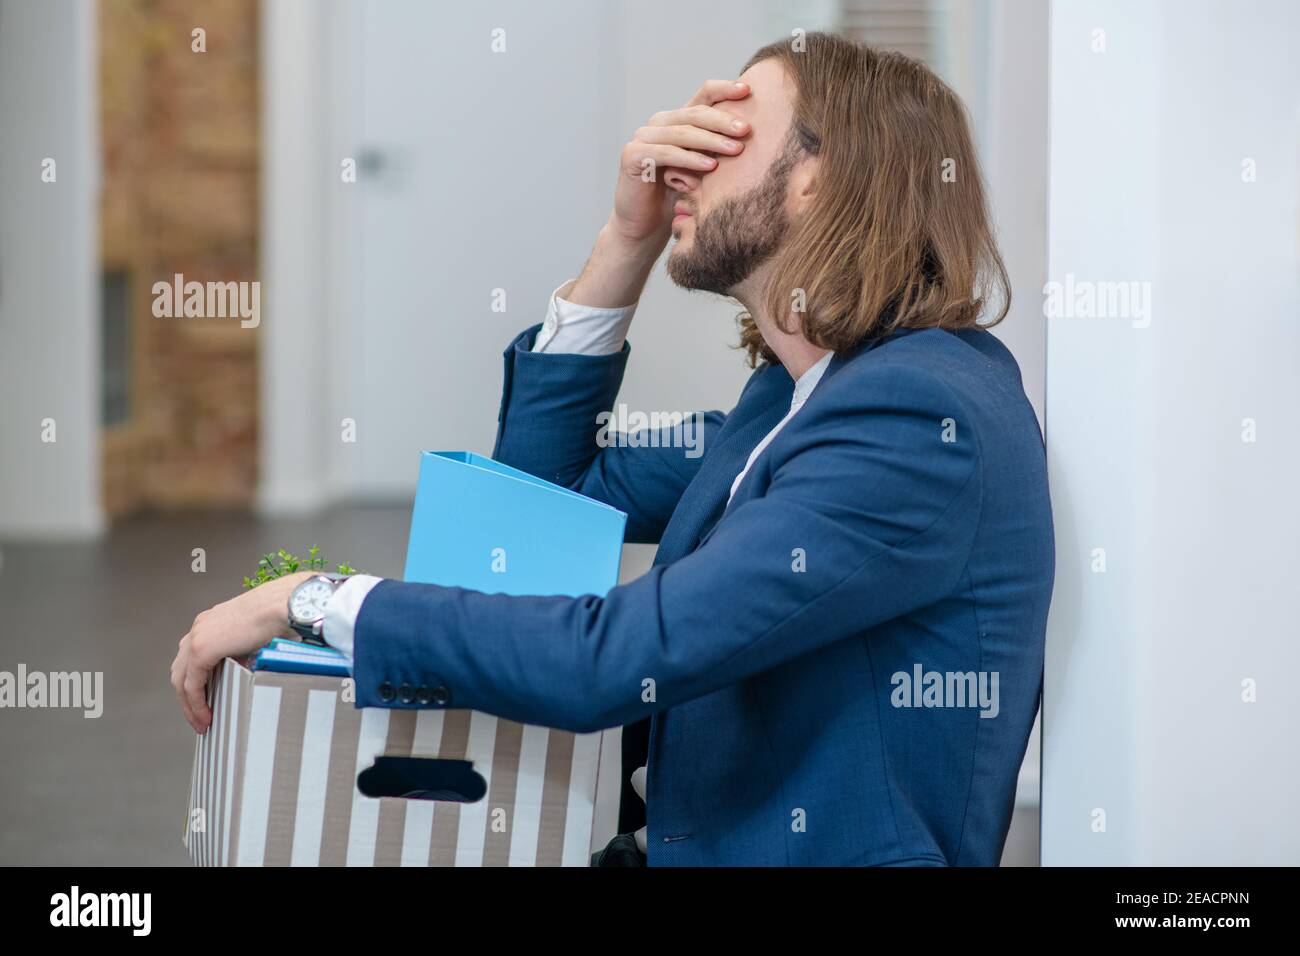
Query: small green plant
x=280, y=563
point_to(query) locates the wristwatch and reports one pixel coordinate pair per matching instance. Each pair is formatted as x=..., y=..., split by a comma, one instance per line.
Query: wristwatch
x=307, y=606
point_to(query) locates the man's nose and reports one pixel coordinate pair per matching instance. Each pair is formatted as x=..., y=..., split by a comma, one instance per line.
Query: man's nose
x=682, y=183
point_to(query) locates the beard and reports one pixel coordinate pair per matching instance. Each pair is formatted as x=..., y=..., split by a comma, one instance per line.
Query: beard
x=737, y=237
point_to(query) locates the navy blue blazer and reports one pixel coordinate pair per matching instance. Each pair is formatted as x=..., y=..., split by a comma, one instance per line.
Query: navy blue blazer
x=846, y=659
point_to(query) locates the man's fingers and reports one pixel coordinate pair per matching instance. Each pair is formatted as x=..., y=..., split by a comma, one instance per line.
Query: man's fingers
x=196, y=684
x=715, y=91
x=637, y=153
x=690, y=137
x=184, y=702
x=178, y=665
x=705, y=117
x=186, y=711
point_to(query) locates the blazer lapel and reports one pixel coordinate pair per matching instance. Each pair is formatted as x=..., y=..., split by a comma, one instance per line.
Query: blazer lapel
x=762, y=405
x=748, y=436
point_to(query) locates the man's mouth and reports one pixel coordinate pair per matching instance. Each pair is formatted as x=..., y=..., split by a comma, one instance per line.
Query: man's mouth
x=680, y=212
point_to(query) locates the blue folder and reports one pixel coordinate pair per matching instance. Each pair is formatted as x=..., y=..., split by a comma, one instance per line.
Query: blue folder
x=483, y=525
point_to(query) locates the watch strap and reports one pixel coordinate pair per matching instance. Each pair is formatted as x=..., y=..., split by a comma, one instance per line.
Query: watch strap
x=308, y=634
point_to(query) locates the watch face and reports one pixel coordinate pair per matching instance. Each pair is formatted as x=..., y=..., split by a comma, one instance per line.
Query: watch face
x=307, y=604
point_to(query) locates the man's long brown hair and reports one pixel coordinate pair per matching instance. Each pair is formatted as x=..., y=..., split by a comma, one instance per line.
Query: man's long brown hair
x=897, y=234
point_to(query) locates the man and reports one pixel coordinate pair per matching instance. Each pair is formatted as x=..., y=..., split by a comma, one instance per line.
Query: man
x=845, y=620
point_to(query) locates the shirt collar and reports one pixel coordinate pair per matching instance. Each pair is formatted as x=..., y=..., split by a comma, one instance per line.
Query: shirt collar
x=804, y=385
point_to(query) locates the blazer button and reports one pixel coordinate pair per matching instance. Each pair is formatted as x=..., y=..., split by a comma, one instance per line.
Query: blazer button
x=386, y=692
x=423, y=696
x=441, y=696
x=406, y=693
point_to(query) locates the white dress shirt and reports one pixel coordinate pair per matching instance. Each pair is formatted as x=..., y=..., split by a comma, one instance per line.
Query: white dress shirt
x=803, y=387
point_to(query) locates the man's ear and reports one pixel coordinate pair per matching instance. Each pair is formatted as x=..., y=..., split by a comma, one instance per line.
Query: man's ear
x=803, y=182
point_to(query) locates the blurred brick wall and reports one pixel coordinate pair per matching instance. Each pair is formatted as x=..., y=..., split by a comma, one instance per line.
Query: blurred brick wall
x=179, y=194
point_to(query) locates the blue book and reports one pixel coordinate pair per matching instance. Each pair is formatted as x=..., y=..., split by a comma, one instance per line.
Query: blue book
x=483, y=525
x=294, y=657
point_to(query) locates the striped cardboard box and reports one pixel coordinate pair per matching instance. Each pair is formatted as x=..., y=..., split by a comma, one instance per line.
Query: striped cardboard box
x=274, y=783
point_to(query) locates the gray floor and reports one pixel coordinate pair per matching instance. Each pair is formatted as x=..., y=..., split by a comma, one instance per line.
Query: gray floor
x=113, y=790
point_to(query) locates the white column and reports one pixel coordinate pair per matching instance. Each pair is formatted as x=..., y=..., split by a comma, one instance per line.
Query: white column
x=1171, y=438
x=295, y=344
x=49, y=271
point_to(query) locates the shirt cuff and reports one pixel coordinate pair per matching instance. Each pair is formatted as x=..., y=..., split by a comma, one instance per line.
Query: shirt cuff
x=342, y=610
x=582, y=329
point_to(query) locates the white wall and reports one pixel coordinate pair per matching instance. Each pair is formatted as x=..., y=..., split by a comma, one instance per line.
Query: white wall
x=1012, y=130
x=49, y=275
x=1143, y=711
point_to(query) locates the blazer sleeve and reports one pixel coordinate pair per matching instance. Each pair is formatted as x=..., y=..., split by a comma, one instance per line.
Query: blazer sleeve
x=548, y=427
x=869, y=490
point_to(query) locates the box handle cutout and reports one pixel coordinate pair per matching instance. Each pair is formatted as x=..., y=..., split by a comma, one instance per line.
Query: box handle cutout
x=422, y=778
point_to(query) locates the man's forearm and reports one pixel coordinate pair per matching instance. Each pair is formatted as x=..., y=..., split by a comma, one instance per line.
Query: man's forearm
x=616, y=272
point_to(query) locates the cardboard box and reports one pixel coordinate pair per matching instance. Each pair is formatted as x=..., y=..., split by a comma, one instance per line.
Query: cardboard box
x=275, y=782
x=291, y=773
